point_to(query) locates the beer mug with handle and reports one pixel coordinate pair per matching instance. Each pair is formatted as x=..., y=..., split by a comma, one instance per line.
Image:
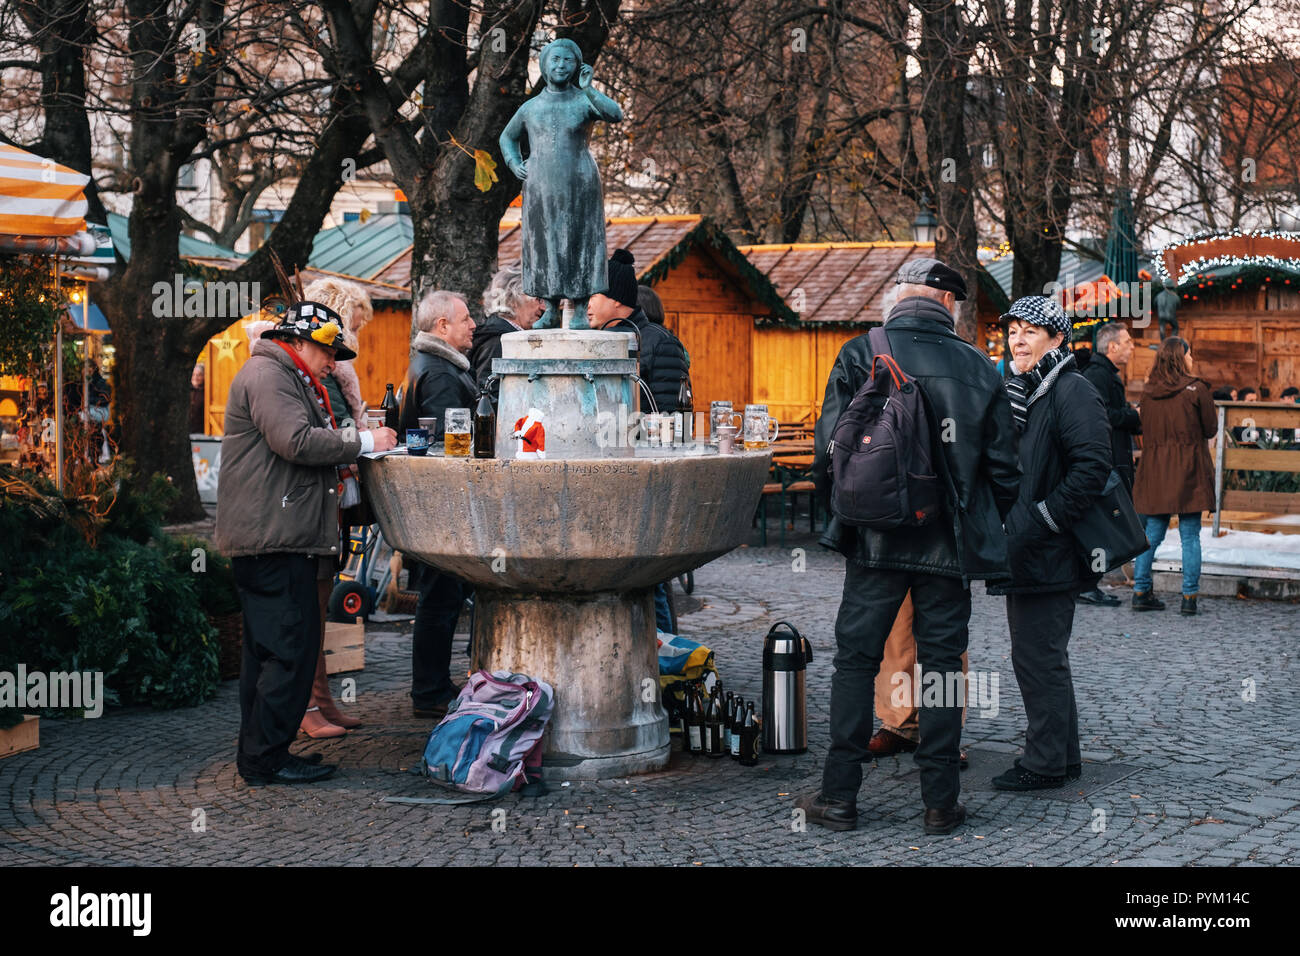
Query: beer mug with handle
x=760, y=428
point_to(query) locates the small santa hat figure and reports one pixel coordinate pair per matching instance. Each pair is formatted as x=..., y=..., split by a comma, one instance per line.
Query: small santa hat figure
x=531, y=435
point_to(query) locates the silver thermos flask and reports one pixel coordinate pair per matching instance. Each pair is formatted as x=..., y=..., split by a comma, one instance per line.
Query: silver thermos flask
x=785, y=706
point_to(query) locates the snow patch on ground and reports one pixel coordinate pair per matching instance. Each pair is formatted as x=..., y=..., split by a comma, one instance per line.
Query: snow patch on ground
x=1243, y=549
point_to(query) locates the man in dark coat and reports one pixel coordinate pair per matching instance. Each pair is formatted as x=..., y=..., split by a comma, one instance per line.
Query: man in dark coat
x=977, y=441
x=438, y=378
x=1113, y=347
x=662, y=358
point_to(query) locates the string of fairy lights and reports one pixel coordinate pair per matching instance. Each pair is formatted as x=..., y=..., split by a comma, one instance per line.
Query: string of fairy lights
x=1261, y=271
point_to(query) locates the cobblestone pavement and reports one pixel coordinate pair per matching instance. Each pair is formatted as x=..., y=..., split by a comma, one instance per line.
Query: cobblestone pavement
x=1180, y=768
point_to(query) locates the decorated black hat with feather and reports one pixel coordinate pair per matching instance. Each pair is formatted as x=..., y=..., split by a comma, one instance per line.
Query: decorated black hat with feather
x=304, y=319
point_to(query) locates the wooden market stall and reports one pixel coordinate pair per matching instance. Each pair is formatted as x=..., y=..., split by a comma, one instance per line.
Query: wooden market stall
x=1240, y=307
x=836, y=291
x=712, y=296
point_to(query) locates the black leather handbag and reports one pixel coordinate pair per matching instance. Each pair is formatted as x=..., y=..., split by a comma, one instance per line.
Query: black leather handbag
x=1110, y=533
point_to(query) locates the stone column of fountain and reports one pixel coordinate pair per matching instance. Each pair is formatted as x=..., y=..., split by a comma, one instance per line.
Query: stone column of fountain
x=565, y=551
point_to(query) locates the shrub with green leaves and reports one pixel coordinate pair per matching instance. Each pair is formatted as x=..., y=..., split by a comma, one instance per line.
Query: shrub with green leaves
x=130, y=605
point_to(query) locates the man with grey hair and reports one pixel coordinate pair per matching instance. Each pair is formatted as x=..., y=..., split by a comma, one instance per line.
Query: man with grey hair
x=507, y=308
x=1112, y=348
x=438, y=379
x=976, y=458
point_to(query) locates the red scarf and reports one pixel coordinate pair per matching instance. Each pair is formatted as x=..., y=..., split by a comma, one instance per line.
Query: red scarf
x=322, y=397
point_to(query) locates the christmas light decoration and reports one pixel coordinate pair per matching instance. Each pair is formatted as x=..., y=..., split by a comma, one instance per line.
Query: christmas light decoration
x=1191, y=267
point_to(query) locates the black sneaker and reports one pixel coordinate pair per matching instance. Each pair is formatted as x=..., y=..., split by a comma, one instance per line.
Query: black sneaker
x=1020, y=779
x=1146, y=601
x=1073, y=771
x=1189, y=606
x=832, y=814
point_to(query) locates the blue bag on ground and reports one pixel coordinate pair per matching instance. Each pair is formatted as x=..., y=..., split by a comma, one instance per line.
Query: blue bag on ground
x=490, y=742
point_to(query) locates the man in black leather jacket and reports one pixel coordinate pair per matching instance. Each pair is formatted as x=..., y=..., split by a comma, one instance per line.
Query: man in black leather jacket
x=439, y=378
x=971, y=419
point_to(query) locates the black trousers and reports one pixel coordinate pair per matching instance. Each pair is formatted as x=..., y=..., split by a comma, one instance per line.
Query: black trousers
x=441, y=598
x=1040, y=635
x=871, y=601
x=282, y=633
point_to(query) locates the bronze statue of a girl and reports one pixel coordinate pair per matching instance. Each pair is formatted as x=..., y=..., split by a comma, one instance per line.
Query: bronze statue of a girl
x=563, y=223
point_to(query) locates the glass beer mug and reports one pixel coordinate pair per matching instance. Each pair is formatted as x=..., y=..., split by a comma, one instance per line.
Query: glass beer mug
x=760, y=429
x=456, y=437
x=720, y=413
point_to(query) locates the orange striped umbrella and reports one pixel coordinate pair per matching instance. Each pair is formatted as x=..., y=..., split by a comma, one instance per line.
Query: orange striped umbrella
x=38, y=197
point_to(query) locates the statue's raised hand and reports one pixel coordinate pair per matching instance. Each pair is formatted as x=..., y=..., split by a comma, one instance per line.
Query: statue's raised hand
x=584, y=76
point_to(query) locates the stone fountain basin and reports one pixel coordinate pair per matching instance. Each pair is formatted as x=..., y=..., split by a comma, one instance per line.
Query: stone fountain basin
x=567, y=526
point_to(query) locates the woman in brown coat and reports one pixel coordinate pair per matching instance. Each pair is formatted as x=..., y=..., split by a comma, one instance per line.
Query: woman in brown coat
x=1174, y=475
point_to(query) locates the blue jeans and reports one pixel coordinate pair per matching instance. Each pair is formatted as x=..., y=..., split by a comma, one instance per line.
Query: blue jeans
x=663, y=619
x=1189, y=530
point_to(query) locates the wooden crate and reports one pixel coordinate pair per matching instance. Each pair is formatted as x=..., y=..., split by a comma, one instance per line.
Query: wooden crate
x=24, y=736
x=345, y=647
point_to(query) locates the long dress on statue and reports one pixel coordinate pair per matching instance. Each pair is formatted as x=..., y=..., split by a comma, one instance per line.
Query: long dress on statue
x=563, y=222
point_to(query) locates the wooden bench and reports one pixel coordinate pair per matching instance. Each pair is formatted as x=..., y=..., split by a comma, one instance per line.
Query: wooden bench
x=786, y=491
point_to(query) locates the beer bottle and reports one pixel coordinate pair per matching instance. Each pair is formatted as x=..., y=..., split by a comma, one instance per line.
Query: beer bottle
x=392, y=413
x=694, y=722
x=714, y=746
x=685, y=408
x=737, y=726
x=749, y=745
x=728, y=716
x=485, y=427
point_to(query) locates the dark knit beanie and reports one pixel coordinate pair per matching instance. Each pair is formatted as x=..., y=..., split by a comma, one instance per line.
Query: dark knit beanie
x=622, y=279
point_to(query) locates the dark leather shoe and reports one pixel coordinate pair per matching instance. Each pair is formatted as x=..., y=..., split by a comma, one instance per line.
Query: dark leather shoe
x=1189, y=606
x=1146, y=601
x=832, y=814
x=886, y=742
x=1073, y=771
x=944, y=821
x=437, y=708
x=1020, y=779
x=1098, y=597
x=295, y=770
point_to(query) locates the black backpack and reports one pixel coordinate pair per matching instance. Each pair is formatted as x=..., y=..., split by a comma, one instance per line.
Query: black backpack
x=882, y=460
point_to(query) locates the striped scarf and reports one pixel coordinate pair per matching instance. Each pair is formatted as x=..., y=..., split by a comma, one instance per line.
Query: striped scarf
x=1028, y=387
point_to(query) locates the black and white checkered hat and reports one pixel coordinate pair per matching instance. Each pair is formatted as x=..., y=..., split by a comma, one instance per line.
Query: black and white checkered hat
x=1042, y=311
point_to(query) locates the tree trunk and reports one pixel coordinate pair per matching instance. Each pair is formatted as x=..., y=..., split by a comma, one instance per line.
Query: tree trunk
x=948, y=153
x=64, y=31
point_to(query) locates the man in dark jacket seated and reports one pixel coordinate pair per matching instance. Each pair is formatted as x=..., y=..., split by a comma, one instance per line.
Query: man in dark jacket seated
x=976, y=441
x=438, y=378
x=1113, y=348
